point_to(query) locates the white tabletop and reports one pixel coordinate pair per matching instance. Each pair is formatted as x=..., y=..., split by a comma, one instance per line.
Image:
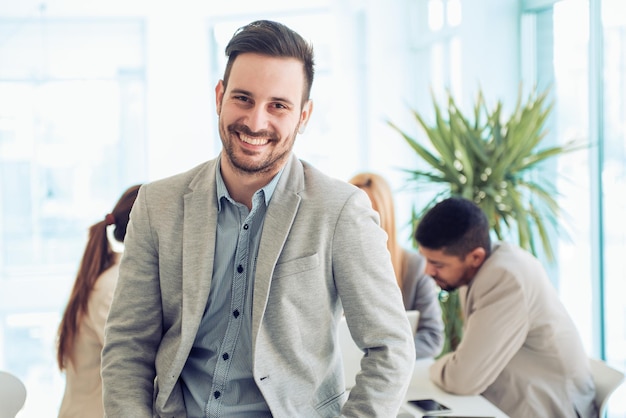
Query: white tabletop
x=422, y=387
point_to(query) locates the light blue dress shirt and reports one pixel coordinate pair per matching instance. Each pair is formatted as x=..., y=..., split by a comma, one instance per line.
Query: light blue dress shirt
x=217, y=378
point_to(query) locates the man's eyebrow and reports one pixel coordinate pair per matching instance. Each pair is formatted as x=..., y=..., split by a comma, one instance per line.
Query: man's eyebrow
x=240, y=91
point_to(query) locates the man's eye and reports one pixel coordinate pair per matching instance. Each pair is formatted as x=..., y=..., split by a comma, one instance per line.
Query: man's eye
x=242, y=98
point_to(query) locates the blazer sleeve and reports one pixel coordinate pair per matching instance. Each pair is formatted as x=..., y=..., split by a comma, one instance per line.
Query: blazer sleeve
x=495, y=329
x=374, y=311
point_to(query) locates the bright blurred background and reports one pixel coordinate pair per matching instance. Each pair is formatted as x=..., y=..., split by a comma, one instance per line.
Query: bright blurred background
x=95, y=97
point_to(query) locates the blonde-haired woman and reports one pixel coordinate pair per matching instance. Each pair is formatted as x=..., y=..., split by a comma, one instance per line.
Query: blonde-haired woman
x=419, y=291
x=81, y=332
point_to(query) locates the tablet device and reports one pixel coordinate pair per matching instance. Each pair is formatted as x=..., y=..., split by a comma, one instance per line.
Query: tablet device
x=429, y=405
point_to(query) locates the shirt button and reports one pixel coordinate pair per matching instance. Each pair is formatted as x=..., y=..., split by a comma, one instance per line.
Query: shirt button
x=236, y=313
x=239, y=268
x=245, y=226
x=216, y=394
x=225, y=356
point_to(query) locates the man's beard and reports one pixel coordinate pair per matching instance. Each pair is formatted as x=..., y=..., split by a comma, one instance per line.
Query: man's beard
x=446, y=287
x=230, y=134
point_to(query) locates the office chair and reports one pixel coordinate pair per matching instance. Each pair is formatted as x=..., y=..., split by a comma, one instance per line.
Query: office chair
x=12, y=395
x=607, y=380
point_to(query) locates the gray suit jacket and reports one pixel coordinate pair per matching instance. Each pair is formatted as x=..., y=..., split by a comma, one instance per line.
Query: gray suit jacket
x=321, y=252
x=520, y=349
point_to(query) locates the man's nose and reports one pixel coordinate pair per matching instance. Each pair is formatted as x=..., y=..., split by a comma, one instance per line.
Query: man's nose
x=430, y=270
x=258, y=119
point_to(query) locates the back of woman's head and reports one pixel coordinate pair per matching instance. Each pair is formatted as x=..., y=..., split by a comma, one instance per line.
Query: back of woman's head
x=121, y=212
x=381, y=197
x=97, y=257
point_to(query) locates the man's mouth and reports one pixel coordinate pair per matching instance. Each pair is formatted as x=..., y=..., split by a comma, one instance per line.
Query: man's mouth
x=253, y=140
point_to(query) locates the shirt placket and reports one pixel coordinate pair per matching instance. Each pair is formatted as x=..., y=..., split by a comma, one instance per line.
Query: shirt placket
x=238, y=295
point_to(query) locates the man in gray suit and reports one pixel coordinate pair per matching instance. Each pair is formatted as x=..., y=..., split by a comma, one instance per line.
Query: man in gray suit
x=235, y=274
x=520, y=349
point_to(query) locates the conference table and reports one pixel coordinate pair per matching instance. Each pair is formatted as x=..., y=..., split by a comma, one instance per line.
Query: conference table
x=422, y=387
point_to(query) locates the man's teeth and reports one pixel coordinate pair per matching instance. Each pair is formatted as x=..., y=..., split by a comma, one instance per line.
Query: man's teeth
x=253, y=141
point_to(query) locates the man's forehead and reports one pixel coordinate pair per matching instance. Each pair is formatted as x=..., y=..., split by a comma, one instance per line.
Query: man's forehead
x=437, y=256
x=280, y=78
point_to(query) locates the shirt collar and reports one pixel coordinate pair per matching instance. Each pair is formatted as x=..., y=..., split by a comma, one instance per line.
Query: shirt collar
x=222, y=191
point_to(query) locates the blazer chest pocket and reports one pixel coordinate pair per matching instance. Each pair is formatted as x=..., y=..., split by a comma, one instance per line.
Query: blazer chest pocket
x=296, y=266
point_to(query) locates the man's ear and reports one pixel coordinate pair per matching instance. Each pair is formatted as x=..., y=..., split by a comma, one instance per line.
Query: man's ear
x=219, y=95
x=305, y=115
x=477, y=257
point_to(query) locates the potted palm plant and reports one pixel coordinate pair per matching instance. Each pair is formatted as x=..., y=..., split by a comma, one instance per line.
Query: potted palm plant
x=496, y=163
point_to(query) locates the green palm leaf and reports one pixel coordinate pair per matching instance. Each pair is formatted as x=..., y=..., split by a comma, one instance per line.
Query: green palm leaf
x=491, y=161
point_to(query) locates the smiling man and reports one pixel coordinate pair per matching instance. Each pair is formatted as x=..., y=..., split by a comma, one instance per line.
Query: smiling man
x=236, y=273
x=520, y=349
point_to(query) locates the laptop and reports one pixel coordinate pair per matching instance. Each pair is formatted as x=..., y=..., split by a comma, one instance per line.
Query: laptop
x=352, y=354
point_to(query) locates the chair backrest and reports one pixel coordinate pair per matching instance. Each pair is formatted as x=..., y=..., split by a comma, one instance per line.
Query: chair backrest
x=607, y=380
x=12, y=395
x=352, y=354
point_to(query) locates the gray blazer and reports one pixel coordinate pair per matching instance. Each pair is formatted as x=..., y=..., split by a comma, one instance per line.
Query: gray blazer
x=321, y=252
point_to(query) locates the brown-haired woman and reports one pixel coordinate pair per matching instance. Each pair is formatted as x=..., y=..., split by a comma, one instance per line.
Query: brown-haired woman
x=81, y=332
x=419, y=291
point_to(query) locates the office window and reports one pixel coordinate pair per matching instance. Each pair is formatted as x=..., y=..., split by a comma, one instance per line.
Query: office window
x=613, y=176
x=589, y=90
x=72, y=138
x=438, y=48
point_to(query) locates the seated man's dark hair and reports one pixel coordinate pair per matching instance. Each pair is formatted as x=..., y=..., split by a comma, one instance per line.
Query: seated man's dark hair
x=456, y=226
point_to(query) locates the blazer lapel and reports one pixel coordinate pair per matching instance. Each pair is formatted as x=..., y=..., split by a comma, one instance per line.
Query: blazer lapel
x=278, y=221
x=200, y=223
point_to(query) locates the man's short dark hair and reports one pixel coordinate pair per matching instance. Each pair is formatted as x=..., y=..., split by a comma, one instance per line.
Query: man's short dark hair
x=273, y=39
x=456, y=226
